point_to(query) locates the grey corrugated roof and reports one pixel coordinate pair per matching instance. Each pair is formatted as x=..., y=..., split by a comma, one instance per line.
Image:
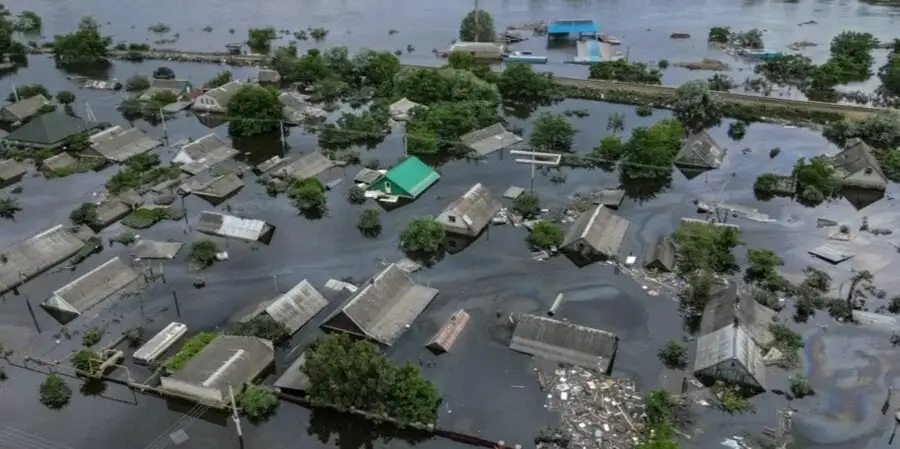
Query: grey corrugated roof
x=151, y=249
x=23, y=109
x=857, y=155
x=730, y=349
x=294, y=378
x=601, y=229
x=228, y=360
x=111, y=211
x=224, y=93
x=294, y=308
x=564, y=342
x=611, y=198
x=306, y=166
x=59, y=161
x=221, y=186
x=401, y=108
x=725, y=309
x=30, y=257
x=235, y=227
x=474, y=209
x=11, y=169
x=384, y=306
x=201, y=154
x=367, y=176
x=267, y=76
x=92, y=288
x=661, y=251
x=700, y=150
x=50, y=129
x=117, y=144
x=488, y=140
x=179, y=85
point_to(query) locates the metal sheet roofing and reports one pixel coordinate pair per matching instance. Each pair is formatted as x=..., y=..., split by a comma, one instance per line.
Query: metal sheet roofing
x=92, y=287
x=160, y=342
x=306, y=166
x=572, y=27
x=151, y=249
x=234, y=227
x=294, y=378
x=413, y=176
x=30, y=257
x=488, y=140
x=601, y=229
x=226, y=361
x=730, y=345
x=564, y=342
x=23, y=109
x=472, y=211
x=117, y=144
x=11, y=169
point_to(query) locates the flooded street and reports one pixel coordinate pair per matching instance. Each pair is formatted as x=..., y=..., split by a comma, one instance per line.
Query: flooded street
x=487, y=389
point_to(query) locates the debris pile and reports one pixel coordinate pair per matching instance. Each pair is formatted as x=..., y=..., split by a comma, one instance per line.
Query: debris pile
x=597, y=411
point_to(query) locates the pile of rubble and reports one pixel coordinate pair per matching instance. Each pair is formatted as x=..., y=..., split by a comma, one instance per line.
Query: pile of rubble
x=597, y=411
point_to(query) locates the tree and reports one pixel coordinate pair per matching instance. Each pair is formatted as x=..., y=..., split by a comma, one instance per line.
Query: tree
x=702, y=246
x=9, y=207
x=15, y=51
x=259, y=39
x=519, y=83
x=163, y=73
x=330, y=89
x=86, y=361
x=763, y=266
x=257, y=402
x=800, y=386
x=365, y=129
x=356, y=195
x=423, y=235
x=55, y=394
x=204, y=253
x=528, y=205
x=378, y=68
x=254, y=110
x=65, y=97
x=263, y=326
x=86, y=215
x=477, y=26
x=609, y=150
x=696, y=107
x=815, y=175
x=615, y=122
x=27, y=91
x=438, y=128
x=889, y=74
x=650, y=150
x=719, y=35
x=625, y=71
x=860, y=277
x=545, y=235
x=737, y=129
x=220, y=79
x=660, y=437
x=350, y=373
x=552, y=133
x=309, y=198
x=720, y=82
x=851, y=53
x=430, y=86
x=86, y=46
x=894, y=305
x=673, y=355
x=91, y=336
x=369, y=222
x=29, y=22
x=137, y=83
x=788, y=70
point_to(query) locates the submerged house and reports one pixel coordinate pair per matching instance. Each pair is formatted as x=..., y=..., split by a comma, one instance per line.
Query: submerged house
x=51, y=131
x=117, y=144
x=857, y=167
x=216, y=100
x=565, y=342
x=401, y=109
x=297, y=108
x=383, y=308
x=30, y=257
x=491, y=51
x=11, y=172
x=733, y=334
x=229, y=226
x=661, y=255
x=596, y=233
x=571, y=28
x=267, y=76
x=306, y=166
x=201, y=154
x=90, y=289
x=294, y=308
x=179, y=88
x=23, y=109
x=407, y=180
x=469, y=214
x=699, y=152
x=489, y=140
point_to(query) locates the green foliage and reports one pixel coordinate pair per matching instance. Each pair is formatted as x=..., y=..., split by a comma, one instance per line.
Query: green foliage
x=259, y=39
x=190, y=348
x=429, y=86
x=800, y=387
x=356, y=195
x=719, y=35
x=788, y=70
x=134, y=337
x=139, y=171
x=880, y=130
x=673, y=355
x=477, y=26
x=851, y=53
x=221, y=79
x=369, y=222
x=528, y=205
x=696, y=107
x=125, y=238
x=894, y=305
x=625, y=71
x=55, y=394
x=766, y=186
x=732, y=401
x=29, y=22
x=610, y=149
x=763, y=266
x=318, y=34
x=263, y=326
x=91, y=336
x=659, y=407
x=545, y=235
x=145, y=217
x=351, y=374
x=85, y=46
x=720, y=82
x=27, y=91
x=162, y=98
x=163, y=73
x=9, y=207
x=788, y=342
x=137, y=83
x=654, y=146
x=552, y=133
x=519, y=83
x=615, y=122
x=86, y=361
x=423, y=235
x=702, y=246
x=305, y=70
x=309, y=198
x=737, y=130
x=203, y=253
x=698, y=292
x=663, y=64
x=254, y=110
x=257, y=402
x=818, y=174
x=438, y=128
x=65, y=97
x=86, y=214
x=889, y=74
x=365, y=129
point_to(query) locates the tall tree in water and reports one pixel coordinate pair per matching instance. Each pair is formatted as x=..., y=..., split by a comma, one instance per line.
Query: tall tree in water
x=477, y=26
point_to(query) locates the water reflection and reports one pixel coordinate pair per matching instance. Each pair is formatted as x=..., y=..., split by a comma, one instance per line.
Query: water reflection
x=644, y=188
x=258, y=148
x=348, y=431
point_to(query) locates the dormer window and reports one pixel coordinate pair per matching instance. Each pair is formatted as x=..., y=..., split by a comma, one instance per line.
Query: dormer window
x=868, y=171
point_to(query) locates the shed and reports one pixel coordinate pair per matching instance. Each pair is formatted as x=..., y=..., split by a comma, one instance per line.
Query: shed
x=565, y=342
x=444, y=339
x=11, y=172
x=160, y=343
x=294, y=380
x=480, y=50
x=700, y=151
x=227, y=361
x=367, y=176
x=23, y=109
x=110, y=211
x=611, y=198
x=306, y=166
x=118, y=144
x=90, y=289
x=469, y=214
x=488, y=140
x=660, y=255
x=178, y=87
x=264, y=75
x=224, y=225
x=221, y=187
x=568, y=27
x=730, y=355
x=31, y=257
x=400, y=109
x=201, y=154
x=408, y=179
x=513, y=192
x=383, y=308
x=152, y=249
x=59, y=161
x=598, y=232
x=856, y=166
x=49, y=131
x=293, y=309
x=830, y=254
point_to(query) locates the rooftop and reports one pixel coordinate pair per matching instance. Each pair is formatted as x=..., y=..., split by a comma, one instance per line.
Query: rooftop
x=564, y=342
x=28, y=258
x=306, y=166
x=857, y=155
x=222, y=186
x=412, y=176
x=28, y=107
x=294, y=308
x=152, y=249
x=224, y=93
x=601, y=229
x=91, y=288
x=701, y=151
x=488, y=140
x=572, y=27
x=118, y=144
x=50, y=129
x=475, y=209
x=225, y=225
x=11, y=169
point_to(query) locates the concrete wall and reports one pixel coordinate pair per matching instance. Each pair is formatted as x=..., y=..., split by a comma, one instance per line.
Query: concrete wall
x=192, y=390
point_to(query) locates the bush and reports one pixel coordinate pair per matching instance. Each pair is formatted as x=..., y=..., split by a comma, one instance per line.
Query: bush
x=423, y=235
x=731, y=400
x=800, y=387
x=356, y=195
x=673, y=355
x=528, y=205
x=9, y=207
x=190, y=348
x=55, y=394
x=146, y=217
x=163, y=73
x=91, y=337
x=257, y=403
x=203, y=253
x=737, y=130
x=263, y=326
x=134, y=338
x=369, y=222
x=545, y=235
x=86, y=215
x=137, y=83
x=86, y=361
x=309, y=198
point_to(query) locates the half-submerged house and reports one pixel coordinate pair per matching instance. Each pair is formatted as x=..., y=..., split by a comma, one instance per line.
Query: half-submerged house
x=660, y=255
x=179, y=88
x=407, y=180
x=469, y=214
x=383, y=308
x=597, y=233
x=489, y=140
x=217, y=100
x=857, y=167
x=90, y=289
x=23, y=109
x=294, y=308
x=117, y=144
x=699, y=153
x=565, y=342
x=229, y=226
x=199, y=155
x=51, y=131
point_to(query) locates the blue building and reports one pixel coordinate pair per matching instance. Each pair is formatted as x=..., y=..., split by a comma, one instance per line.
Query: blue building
x=571, y=28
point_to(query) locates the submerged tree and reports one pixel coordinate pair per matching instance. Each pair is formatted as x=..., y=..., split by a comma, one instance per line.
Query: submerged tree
x=309, y=197
x=673, y=355
x=423, y=235
x=477, y=26
x=696, y=107
x=254, y=110
x=545, y=235
x=9, y=207
x=55, y=394
x=85, y=46
x=552, y=133
x=257, y=402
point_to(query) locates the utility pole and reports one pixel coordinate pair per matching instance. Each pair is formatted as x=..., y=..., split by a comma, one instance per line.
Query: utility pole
x=283, y=140
x=37, y=326
x=162, y=118
x=184, y=212
x=275, y=283
x=177, y=307
x=15, y=93
x=405, y=151
x=235, y=416
x=89, y=113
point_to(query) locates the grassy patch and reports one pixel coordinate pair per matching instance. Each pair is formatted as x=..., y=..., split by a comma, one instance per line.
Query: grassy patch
x=190, y=348
x=145, y=217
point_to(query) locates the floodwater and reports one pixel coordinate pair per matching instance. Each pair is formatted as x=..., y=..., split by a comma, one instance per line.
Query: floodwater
x=480, y=379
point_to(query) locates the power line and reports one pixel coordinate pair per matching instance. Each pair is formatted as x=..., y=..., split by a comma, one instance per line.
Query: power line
x=156, y=441
x=26, y=440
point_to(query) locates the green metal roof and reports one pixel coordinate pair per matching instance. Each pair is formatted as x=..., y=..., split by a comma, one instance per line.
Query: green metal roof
x=412, y=176
x=51, y=128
